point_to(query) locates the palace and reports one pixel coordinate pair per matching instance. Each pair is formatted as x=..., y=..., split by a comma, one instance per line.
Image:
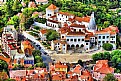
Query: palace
x=78, y=32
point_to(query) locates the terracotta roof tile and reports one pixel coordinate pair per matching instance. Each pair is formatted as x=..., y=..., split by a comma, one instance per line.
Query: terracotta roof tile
x=64, y=30
x=75, y=34
x=53, y=21
x=102, y=67
x=54, y=16
x=77, y=25
x=43, y=31
x=84, y=19
x=65, y=13
x=60, y=66
x=52, y=6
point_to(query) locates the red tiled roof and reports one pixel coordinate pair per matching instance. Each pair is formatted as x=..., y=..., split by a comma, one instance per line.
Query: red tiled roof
x=77, y=25
x=84, y=19
x=52, y=7
x=60, y=66
x=102, y=67
x=56, y=77
x=43, y=31
x=65, y=30
x=53, y=21
x=77, y=69
x=53, y=16
x=75, y=34
x=66, y=13
x=12, y=46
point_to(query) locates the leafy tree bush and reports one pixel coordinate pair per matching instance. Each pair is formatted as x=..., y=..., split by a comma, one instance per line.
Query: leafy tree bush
x=110, y=77
x=107, y=46
x=52, y=35
x=40, y=20
x=36, y=53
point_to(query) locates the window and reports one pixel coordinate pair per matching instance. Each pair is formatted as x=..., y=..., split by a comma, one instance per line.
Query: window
x=99, y=41
x=74, y=40
x=99, y=37
x=107, y=36
x=60, y=18
x=62, y=36
x=75, y=30
x=103, y=41
x=82, y=39
x=62, y=15
x=86, y=43
x=64, y=45
x=71, y=39
x=48, y=14
x=106, y=41
x=66, y=16
x=78, y=39
x=67, y=39
x=103, y=37
x=79, y=30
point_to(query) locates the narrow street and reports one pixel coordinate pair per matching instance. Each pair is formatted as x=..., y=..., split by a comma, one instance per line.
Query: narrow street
x=46, y=59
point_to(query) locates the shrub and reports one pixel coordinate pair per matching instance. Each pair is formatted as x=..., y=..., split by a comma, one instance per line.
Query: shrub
x=107, y=46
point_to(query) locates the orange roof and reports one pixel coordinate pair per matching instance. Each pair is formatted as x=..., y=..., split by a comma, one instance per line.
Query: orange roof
x=52, y=7
x=84, y=19
x=5, y=59
x=102, y=32
x=56, y=77
x=102, y=67
x=53, y=21
x=43, y=31
x=66, y=13
x=77, y=25
x=77, y=69
x=27, y=44
x=76, y=34
x=60, y=66
x=53, y=16
x=64, y=30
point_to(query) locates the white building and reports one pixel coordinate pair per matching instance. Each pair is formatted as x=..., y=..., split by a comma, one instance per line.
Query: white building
x=9, y=40
x=41, y=2
x=42, y=34
x=51, y=11
x=79, y=32
x=59, y=46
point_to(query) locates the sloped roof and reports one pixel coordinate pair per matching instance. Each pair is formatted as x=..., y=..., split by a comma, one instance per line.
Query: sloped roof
x=52, y=6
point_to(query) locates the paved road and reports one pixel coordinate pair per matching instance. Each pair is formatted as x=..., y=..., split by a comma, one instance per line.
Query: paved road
x=46, y=59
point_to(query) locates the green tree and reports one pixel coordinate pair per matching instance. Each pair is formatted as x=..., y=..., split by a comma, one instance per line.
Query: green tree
x=52, y=35
x=110, y=77
x=36, y=53
x=107, y=46
x=14, y=21
x=3, y=65
x=38, y=59
x=17, y=6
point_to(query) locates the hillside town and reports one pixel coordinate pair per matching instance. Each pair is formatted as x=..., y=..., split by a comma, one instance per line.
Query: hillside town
x=41, y=41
